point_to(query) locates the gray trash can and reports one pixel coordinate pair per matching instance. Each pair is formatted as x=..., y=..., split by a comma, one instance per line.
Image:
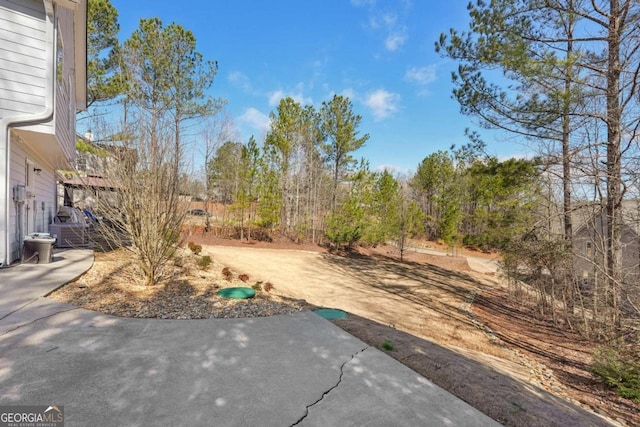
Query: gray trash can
x=38, y=247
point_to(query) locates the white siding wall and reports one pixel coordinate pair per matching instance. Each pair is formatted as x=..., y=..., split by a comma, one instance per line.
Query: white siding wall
x=63, y=125
x=44, y=191
x=65, y=112
x=25, y=53
x=22, y=57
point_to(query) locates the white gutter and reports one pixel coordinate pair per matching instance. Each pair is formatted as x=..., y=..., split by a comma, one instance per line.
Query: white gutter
x=6, y=123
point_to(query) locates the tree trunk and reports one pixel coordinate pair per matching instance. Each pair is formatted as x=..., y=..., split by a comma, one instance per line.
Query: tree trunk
x=566, y=168
x=614, y=190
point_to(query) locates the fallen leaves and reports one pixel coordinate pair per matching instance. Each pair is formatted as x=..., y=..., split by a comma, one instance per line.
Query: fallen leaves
x=113, y=286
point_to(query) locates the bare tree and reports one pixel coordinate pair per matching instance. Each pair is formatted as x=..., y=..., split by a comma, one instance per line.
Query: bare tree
x=142, y=211
x=216, y=130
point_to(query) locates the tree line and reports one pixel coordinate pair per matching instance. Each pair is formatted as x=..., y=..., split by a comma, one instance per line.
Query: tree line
x=293, y=185
x=303, y=182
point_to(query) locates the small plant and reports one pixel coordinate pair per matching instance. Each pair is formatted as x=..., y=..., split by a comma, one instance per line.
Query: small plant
x=204, y=262
x=267, y=286
x=196, y=249
x=226, y=272
x=257, y=287
x=244, y=277
x=620, y=370
x=387, y=345
x=178, y=261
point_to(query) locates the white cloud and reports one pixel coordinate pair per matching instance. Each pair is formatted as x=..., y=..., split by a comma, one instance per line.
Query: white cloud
x=382, y=103
x=255, y=119
x=390, y=19
x=422, y=76
x=349, y=93
x=391, y=23
x=297, y=95
x=394, y=170
x=389, y=168
x=395, y=40
x=275, y=97
x=240, y=80
x=373, y=23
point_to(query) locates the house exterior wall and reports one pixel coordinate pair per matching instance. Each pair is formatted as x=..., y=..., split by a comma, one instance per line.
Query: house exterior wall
x=89, y=185
x=39, y=66
x=63, y=125
x=590, y=252
x=29, y=216
x=65, y=111
x=23, y=57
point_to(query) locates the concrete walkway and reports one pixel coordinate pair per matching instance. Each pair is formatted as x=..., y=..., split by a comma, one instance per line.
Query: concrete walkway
x=276, y=371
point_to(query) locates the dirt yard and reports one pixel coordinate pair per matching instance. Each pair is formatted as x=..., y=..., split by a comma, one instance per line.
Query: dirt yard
x=434, y=310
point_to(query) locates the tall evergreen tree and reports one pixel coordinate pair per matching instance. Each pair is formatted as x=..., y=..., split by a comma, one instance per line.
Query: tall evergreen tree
x=282, y=142
x=103, y=80
x=340, y=129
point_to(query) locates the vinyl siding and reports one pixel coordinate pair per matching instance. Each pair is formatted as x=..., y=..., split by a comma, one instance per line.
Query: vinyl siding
x=63, y=125
x=25, y=58
x=65, y=112
x=22, y=57
x=43, y=188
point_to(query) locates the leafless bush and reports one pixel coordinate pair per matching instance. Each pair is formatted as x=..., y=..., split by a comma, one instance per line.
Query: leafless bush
x=141, y=209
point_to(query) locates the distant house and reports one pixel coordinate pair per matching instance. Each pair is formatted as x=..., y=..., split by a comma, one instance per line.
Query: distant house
x=83, y=186
x=589, y=242
x=42, y=86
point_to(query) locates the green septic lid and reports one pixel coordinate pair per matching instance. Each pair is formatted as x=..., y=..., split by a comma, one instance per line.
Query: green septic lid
x=236, y=293
x=331, y=313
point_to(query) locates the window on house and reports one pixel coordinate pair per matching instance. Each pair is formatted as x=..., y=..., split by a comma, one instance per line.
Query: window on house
x=28, y=175
x=81, y=163
x=589, y=251
x=585, y=278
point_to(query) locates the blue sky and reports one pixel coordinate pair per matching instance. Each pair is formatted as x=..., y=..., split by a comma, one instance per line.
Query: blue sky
x=379, y=53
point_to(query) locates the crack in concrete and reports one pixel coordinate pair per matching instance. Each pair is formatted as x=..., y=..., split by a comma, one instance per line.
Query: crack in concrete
x=31, y=322
x=330, y=389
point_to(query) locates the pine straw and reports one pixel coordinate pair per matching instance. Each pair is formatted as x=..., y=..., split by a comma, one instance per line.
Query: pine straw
x=114, y=285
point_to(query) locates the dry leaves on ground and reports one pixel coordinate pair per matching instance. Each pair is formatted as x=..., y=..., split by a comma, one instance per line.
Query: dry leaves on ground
x=114, y=286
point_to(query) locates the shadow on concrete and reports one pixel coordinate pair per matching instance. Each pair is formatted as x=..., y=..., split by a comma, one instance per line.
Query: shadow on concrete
x=279, y=370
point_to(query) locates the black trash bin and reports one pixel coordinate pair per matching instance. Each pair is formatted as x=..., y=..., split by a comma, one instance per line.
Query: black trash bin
x=38, y=247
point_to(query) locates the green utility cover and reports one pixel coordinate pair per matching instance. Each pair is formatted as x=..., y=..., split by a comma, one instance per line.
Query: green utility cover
x=236, y=293
x=331, y=313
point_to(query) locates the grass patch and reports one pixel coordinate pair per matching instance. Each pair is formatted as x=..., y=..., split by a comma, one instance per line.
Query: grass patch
x=204, y=262
x=387, y=345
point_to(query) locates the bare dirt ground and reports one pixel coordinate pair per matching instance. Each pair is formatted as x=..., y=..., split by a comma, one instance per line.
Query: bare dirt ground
x=435, y=310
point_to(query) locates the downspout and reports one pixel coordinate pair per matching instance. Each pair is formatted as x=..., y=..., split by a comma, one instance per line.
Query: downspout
x=43, y=116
